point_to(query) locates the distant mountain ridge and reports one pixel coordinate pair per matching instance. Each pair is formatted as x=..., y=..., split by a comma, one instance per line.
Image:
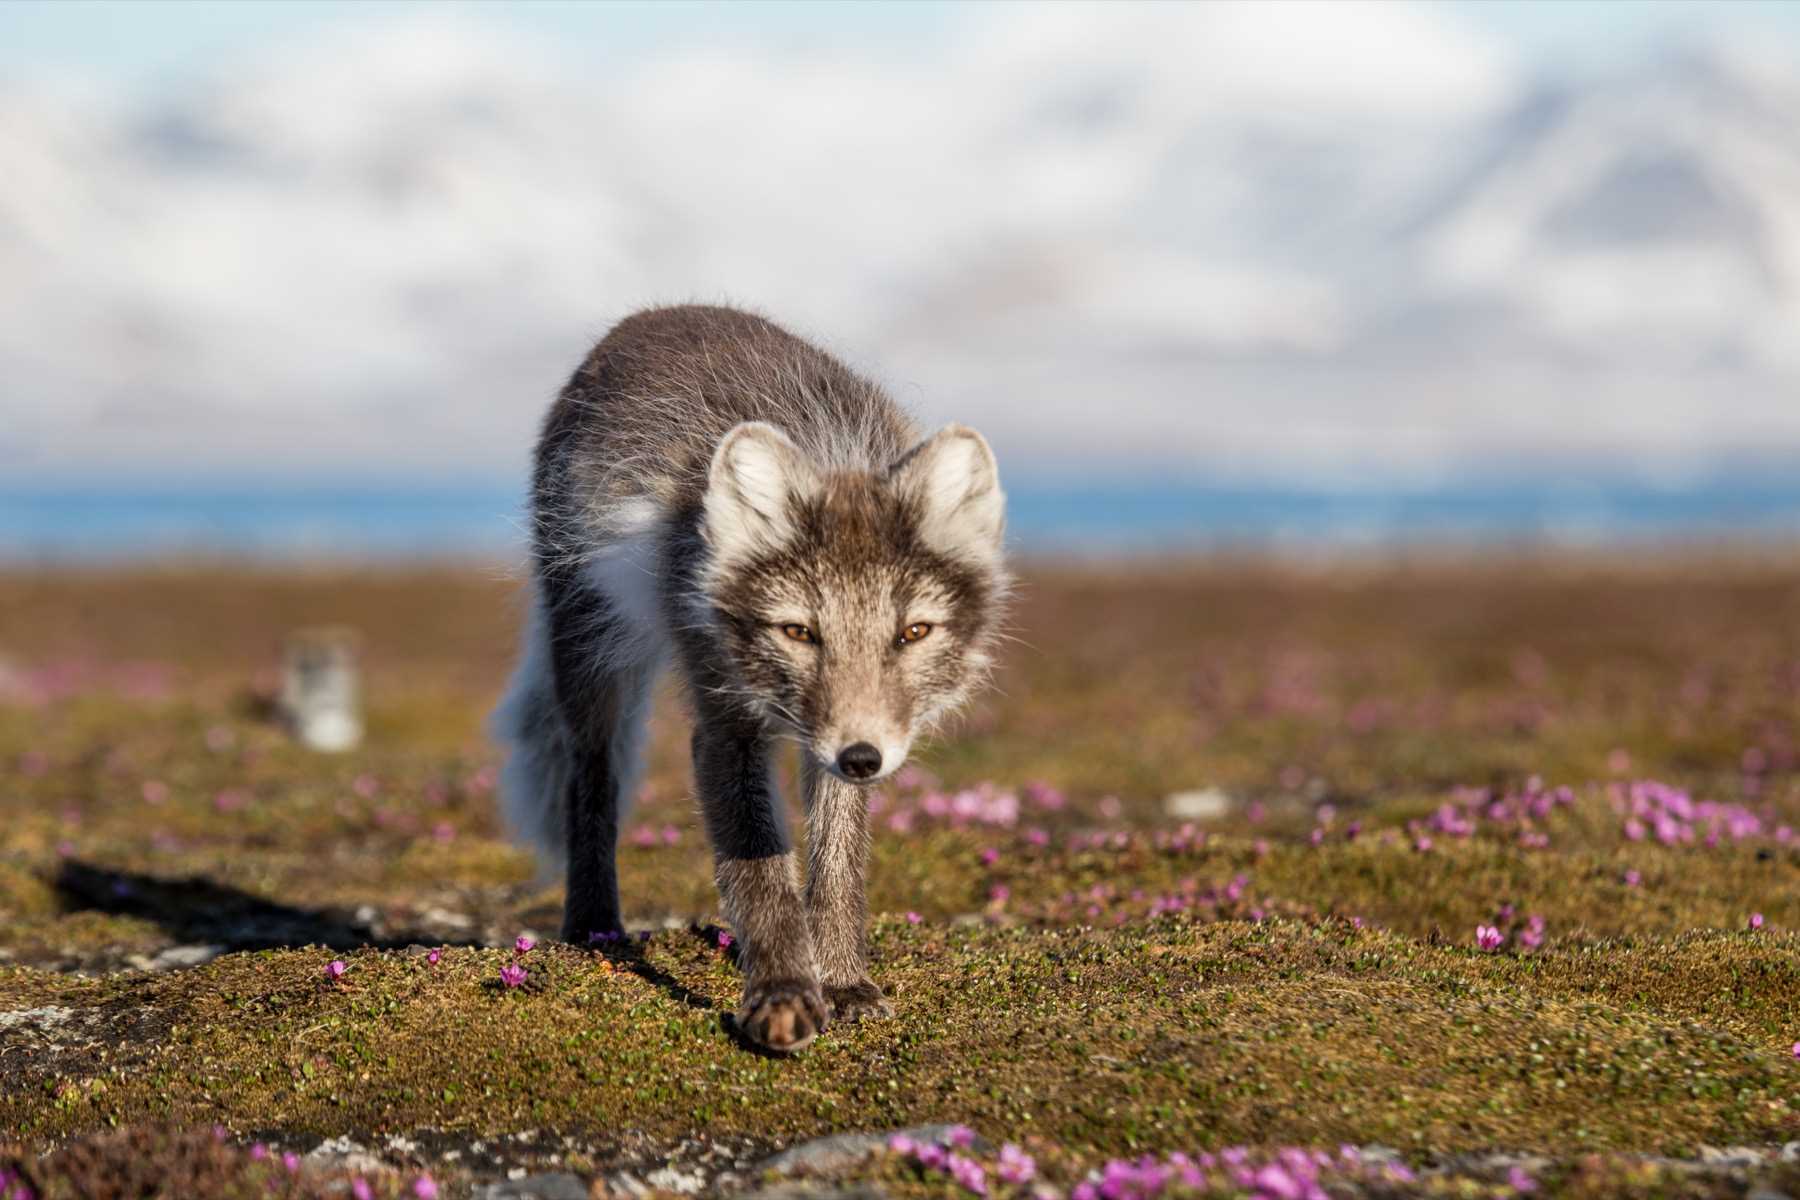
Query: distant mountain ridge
x=1251, y=251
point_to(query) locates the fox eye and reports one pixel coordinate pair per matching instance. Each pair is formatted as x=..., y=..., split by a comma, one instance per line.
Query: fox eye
x=800, y=633
x=915, y=632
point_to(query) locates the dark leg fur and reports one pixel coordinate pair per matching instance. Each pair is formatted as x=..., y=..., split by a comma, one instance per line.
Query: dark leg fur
x=599, y=708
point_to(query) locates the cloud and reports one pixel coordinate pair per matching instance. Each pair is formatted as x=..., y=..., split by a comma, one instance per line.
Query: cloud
x=1283, y=235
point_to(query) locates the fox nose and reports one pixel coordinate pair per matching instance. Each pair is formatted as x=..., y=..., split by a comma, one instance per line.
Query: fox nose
x=859, y=760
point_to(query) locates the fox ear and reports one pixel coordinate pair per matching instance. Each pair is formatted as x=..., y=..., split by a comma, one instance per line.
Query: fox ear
x=954, y=480
x=755, y=472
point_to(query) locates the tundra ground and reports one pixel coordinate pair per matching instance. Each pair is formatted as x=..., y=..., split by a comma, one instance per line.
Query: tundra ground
x=1444, y=877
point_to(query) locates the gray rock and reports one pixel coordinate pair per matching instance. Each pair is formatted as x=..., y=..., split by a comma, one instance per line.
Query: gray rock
x=176, y=957
x=842, y=1151
x=1201, y=804
x=554, y=1185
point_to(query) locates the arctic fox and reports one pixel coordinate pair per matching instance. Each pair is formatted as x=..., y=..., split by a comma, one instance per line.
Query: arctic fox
x=710, y=484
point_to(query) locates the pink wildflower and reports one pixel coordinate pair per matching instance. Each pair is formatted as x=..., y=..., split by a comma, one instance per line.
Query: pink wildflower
x=913, y=918
x=523, y=944
x=989, y=856
x=1519, y=1181
x=291, y=1161
x=1487, y=937
x=969, y=1174
x=434, y=957
x=901, y=1144
x=512, y=975
x=1633, y=878
x=1015, y=1165
x=360, y=1189
x=425, y=1188
x=960, y=1136
x=1756, y=920
x=725, y=940
x=258, y=1152
x=335, y=968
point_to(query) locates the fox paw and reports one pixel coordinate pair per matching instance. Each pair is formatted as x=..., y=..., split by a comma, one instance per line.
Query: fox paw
x=784, y=1015
x=857, y=1001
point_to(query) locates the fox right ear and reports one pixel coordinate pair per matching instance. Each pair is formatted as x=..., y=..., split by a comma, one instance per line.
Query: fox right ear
x=756, y=473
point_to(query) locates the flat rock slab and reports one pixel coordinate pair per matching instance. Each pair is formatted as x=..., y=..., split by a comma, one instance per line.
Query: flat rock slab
x=553, y=1185
x=842, y=1151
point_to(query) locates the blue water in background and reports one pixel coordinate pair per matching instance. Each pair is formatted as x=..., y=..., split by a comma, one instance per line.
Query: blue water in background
x=488, y=522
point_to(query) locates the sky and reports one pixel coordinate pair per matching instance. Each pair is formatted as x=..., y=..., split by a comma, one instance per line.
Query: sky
x=1339, y=242
x=144, y=40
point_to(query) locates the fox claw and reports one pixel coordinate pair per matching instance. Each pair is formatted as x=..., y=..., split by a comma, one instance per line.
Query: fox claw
x=784, y=1016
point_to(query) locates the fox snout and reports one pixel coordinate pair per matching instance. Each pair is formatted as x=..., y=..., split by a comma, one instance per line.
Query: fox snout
x=861, y=760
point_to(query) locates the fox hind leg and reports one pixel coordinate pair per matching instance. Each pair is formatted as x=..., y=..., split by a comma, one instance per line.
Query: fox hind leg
x=604, y=699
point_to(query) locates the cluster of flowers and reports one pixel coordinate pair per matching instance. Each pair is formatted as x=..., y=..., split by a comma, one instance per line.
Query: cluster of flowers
x=984, y=805
x=1527, y=936
x=1014, y=1166
x=12, y=1187
x=648, y=836
x=424, y=1187
x=513, y=974
x=1229, y=901
x=1674, y=818
x=1287, y=1173
x=1469, y=808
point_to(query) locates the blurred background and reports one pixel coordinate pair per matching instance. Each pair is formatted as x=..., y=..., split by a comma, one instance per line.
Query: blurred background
x=300, y=278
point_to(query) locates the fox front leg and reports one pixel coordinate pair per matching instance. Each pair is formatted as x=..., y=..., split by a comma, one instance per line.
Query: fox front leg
x=837, y=851
x=783, y=1008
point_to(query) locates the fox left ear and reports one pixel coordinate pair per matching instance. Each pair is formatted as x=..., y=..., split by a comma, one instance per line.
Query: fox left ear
x=953, y=478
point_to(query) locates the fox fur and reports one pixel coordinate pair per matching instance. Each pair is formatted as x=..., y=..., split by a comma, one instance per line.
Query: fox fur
x=712, y=491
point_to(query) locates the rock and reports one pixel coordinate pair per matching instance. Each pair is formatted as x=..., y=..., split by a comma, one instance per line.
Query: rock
x=842, y=1151
x=668, y=1179
x=553, y=1185
x=1203, y=804
x=176, y=957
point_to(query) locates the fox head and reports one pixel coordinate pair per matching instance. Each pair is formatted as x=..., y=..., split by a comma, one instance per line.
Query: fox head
x=859, y=606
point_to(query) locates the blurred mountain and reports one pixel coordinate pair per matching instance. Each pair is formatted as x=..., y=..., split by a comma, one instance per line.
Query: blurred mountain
x=1261, y=241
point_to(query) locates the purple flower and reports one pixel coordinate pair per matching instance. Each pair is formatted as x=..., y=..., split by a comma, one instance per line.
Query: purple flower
x=523, y=944
x=1632, y=878
x=1487, y=937
x=989, y=856
x=968, y=1172
x=258, y=1152
x=434, y=957
x=1519, y=1181
x=1797, y=1049
x=360, y=1189
x=960, y=1136
x=913, y=918
x=932, y=1155
x=425, y=1188
x=1015, y=1165
x=335, y=968
x=901, y=1144
x=1756, y=920
x=291, y=1161
x=725, y=940
x=512, y=975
